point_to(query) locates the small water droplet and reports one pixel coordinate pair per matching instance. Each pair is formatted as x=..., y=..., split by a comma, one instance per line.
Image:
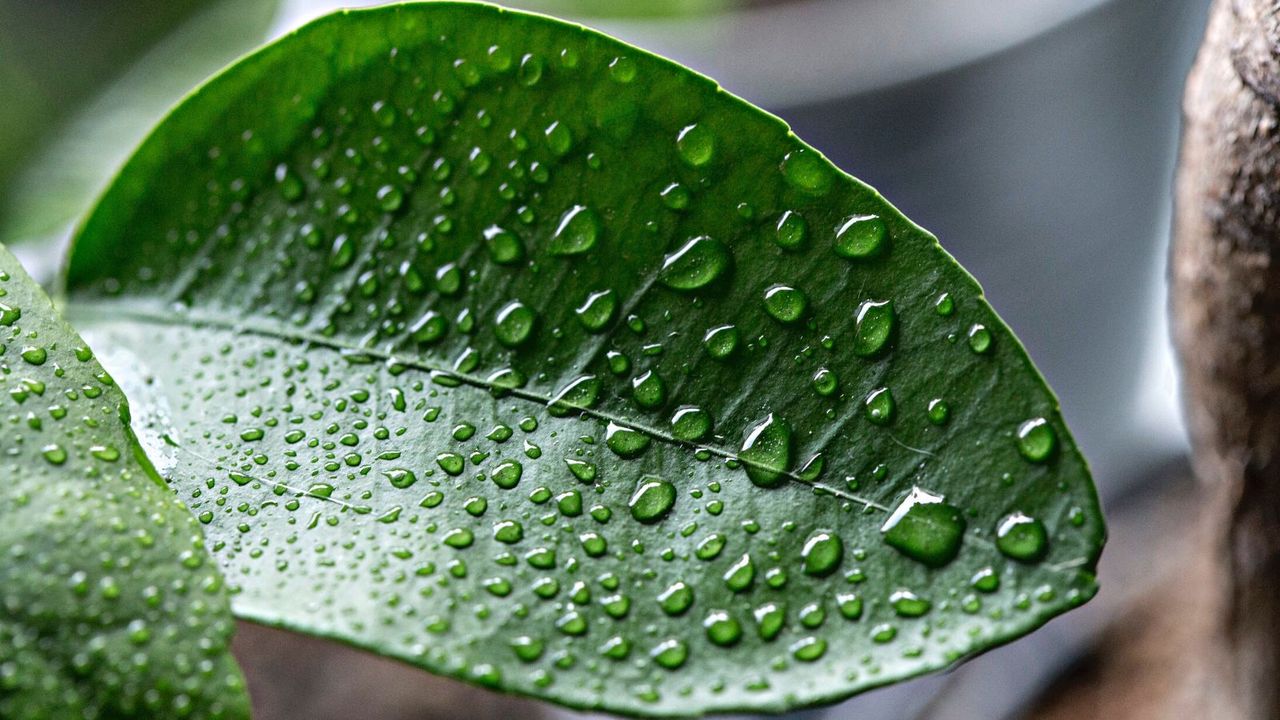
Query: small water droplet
x=880, y=407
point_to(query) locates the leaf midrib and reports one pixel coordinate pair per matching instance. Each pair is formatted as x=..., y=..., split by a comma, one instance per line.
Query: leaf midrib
x=110, y=310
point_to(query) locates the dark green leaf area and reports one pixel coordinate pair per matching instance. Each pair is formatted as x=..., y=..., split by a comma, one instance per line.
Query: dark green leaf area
x=109, y=604
x=501, y=347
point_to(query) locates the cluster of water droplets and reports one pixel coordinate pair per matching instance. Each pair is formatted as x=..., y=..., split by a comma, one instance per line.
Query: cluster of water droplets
x=514, y=352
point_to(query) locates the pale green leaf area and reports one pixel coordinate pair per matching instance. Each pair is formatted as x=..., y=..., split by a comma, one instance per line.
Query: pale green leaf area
x=498, y=346
x=109, y=604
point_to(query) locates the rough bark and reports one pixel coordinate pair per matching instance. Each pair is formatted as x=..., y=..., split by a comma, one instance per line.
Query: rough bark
x=1225, y=279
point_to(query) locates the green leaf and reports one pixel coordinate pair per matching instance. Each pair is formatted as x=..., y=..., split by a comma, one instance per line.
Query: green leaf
x=111, y=605
x=498, y=346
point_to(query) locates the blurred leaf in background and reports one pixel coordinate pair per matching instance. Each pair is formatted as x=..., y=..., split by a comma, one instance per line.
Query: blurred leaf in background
x=59, y=142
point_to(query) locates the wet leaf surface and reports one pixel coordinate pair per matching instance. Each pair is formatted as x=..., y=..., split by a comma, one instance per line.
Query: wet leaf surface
x=109, y=603
x=498, y=346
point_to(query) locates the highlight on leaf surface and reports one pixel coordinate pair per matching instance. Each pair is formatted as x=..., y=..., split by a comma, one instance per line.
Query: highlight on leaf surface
x=109, y=603
x=493, y=344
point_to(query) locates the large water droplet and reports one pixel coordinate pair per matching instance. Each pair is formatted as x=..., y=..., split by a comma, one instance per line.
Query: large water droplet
x=925, y=529
x=676, y=599
x=785, y=303
x=597, y=310
x=860, y=237
x=791, y=231
x=807, y=172
x=652, y=500
x=822, y=553
x=1037, y=440
x=766, y=451
x=514, y=324
x=1022, y=537
x=690, y=423
x=695, y=264
x=577, y=232
x=722, y=629
x=873, y=327
x=624, y=441
x=696, y=145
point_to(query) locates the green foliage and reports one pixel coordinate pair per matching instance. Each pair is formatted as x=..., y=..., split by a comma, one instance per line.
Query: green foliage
x=501, y=347
x=110, y=604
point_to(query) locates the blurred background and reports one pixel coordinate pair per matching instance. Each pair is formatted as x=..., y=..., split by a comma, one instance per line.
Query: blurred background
x=1035, y=138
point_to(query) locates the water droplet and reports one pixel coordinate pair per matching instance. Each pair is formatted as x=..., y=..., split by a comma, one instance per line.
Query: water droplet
x=676, y=598
x=822, y=553
x=527, y=649
x=622, y=70
x=880, y=406
x=939, y=412
x=624, y=441
x=985, y=580
x=648, y=390
x=508, y=531
x=559, y=139
x=792, y=231
x=675, y=196
x=652, y=500
x=873, y=327
x=785, y=303
x=582, y=470
x=577, y=232
x=925, y=529
x=1022, y=537
x=530, y=70
x=670, y=654
x=770, y=618
x=690, y=423
x=944, y=305
x=740, y=575
x=860, y=237
x=722, y=629
x=390, y=198
x=430, y=328
x=766, y=451
x=696, y=145
x=459, y=538
x=9, y=314
x=825, y=382
x=34, y=355
x=55, y=454
x=807, y=172
x=598, y=310
x=514, y=324
x=979, y=338
x=697, y=263
x=504, y=247
x=721, y=341
x=809, y=649
x=1036, y=440
x=506, y=474
x=850, y=605
x=908, y=604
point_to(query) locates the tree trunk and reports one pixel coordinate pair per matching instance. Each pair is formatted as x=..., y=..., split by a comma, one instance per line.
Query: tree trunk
x=1225, y=275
